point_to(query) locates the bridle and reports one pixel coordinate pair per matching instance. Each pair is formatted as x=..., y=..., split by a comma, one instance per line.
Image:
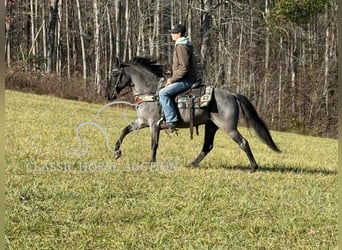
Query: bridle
x=119, y=73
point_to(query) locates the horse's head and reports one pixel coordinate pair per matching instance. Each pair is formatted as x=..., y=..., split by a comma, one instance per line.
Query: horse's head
x=118, y=80
x=143, y=74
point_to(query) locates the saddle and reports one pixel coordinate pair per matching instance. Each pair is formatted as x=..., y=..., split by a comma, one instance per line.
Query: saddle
x=199, y=93
x=192, y=102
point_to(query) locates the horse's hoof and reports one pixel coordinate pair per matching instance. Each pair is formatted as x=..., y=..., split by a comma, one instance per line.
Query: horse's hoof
x=117, y=154
x=193, y=165
x=254, y=168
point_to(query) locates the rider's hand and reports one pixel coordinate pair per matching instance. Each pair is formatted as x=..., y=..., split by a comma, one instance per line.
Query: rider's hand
x=168, y=82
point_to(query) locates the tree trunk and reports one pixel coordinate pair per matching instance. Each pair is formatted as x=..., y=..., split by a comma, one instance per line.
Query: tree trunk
x=189, y=28
x=150, y=30
x=110, y=33
x=32, y=14
x=156, y=30
x=7, y=35
x=294, y=69
x=141, y=38
x=280, y=83
x=267, y=56
x=45, y=49
x=36, y=26
x=229, y=55
x=84, y=61
x=51, y=57
x=127, y=31
x=326, y=65
x=205, y=28
x=58, y=41
x=67, y=37
x=238, y=70
x=97, y=48
x=117, y=28
x=251, y=53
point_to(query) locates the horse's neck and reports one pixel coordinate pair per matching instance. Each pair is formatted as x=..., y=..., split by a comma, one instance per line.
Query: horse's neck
x=145, y=83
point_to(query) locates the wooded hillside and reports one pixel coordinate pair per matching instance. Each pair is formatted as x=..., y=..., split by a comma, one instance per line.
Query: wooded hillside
x=282, y=54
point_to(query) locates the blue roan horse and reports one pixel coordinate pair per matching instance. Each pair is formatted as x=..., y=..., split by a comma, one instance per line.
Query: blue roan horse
x=143, y=76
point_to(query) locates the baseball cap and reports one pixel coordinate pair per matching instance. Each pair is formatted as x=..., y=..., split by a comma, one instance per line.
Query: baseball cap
x=178, y=28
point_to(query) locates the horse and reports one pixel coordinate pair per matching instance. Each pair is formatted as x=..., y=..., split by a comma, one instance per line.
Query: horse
x=145, y=76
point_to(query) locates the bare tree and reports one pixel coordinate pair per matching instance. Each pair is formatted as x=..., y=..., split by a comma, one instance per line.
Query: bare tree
x=97, y=47
x=32, y=14
x=326, y=64
x=267, y=57
x=84, y=60
x=127, y=47
x=110, y=34
x=205, y=28
x=51, y=57
x=117, y=11
x=8, y=21
x=45, y=47
x=285, y=61
x=67, y=34
x=156, y=30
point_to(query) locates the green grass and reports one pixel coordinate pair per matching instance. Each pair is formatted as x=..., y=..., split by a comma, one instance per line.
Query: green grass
x=290, y=203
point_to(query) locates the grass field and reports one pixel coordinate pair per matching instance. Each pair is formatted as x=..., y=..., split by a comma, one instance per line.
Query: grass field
x=59, y=200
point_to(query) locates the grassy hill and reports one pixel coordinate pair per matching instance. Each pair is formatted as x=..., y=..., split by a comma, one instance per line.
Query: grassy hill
x=64, y=195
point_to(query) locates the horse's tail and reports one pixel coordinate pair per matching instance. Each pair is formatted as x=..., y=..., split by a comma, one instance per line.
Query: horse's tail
x=252, y=119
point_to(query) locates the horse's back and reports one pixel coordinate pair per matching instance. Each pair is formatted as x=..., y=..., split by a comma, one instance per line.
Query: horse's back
x=222, y=109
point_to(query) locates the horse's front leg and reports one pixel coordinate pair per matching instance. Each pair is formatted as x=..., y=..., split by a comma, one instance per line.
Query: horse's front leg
x=128, y=129
x=155, y=131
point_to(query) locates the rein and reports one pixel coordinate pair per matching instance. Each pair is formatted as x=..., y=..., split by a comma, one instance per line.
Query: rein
x=147, y=97
x=120, y=72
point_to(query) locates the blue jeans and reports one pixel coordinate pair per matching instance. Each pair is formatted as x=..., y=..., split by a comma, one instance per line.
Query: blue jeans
x=166, y=96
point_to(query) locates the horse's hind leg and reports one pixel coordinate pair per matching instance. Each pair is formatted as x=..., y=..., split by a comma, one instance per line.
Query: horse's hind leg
x=209, y=135
x=243, y=143
x=128, y=129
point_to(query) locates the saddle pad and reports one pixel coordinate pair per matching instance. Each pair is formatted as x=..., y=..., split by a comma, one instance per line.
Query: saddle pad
x=195, y=98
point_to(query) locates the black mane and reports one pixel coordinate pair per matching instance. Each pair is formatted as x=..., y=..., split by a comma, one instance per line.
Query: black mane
x=149, y=64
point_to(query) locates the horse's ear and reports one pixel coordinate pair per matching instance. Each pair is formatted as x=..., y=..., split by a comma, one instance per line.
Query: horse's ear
x=116, y=62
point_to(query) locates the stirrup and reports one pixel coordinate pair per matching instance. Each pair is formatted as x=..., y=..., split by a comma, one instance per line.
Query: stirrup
x=166, y=126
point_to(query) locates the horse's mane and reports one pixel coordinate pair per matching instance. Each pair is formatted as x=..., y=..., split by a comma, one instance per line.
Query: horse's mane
x=149, y=64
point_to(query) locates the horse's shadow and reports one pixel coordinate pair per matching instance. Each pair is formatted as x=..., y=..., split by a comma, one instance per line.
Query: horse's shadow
x=282, y=169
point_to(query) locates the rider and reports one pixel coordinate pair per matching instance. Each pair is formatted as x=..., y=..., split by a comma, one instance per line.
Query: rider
x=184, y=74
